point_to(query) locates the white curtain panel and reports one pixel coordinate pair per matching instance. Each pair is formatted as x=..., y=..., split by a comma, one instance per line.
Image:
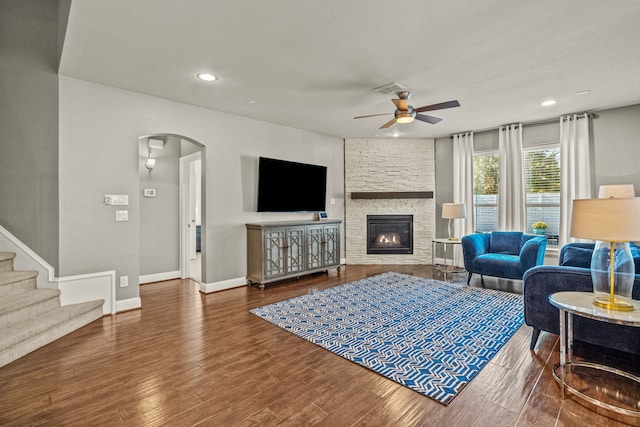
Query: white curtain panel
x=463, y=180
x=462, y=188
x=511, y=211
x=575, y=168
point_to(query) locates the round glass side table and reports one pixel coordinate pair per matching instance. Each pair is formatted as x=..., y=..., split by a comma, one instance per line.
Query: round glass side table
x=624, y=397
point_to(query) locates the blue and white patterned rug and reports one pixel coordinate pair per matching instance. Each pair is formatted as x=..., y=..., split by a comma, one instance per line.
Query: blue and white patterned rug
x=430, y=336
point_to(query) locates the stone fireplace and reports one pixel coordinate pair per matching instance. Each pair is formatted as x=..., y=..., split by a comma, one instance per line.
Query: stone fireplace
x=389, y=177
x=389, y=234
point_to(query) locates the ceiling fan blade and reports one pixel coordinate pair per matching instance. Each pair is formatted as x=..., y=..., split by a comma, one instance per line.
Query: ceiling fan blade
x=401, y=104
x=372, y=115
x=428, y=119
x=388, y=124
x=440, y=106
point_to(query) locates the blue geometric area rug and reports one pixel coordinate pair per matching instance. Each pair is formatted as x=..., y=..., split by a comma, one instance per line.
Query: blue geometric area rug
x=430, y=336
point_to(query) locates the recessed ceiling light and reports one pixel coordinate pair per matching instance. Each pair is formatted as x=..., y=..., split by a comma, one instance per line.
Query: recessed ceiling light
x=207, y=77
x=583, y=92
x=548, y=102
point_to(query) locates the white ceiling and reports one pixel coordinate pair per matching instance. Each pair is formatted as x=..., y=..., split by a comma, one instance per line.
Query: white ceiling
x=313, y=64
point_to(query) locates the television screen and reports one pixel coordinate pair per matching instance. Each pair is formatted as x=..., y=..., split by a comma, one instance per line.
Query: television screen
x=285, y=186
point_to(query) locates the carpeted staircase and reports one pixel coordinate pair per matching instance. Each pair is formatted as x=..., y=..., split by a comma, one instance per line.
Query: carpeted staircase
x=31, y=318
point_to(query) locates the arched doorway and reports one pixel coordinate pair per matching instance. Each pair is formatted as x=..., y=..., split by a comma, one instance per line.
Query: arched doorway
x=172, y=171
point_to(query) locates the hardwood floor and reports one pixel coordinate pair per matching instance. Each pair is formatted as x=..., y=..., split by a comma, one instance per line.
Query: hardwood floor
x=191, y=359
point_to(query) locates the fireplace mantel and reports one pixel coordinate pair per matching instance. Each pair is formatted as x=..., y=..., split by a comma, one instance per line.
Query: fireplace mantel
x=392, y=195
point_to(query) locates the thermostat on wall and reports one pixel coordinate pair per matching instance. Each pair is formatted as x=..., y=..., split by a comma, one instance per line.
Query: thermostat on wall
x=149, y=192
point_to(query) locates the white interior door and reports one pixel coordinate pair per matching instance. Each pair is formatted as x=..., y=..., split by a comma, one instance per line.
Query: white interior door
x=193, y=211
x=190, y=215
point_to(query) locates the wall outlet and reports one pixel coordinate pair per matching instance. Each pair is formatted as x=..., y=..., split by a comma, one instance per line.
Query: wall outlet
x=124, y=281
x=122, y=215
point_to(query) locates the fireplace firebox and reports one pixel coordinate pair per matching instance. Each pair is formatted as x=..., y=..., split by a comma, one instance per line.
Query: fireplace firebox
x=390, y=234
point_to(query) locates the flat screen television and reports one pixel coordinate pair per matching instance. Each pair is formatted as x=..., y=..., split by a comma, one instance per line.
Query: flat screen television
x=285, y=186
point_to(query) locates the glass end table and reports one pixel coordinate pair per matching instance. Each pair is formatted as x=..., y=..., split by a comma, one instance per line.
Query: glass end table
x=624, y=396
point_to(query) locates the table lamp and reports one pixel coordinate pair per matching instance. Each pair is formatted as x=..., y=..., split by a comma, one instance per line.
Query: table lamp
x=613, y=223
x=453, y=211
x=616, y=191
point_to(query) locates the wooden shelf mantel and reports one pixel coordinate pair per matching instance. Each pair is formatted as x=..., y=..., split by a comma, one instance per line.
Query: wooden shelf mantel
x=392, y=195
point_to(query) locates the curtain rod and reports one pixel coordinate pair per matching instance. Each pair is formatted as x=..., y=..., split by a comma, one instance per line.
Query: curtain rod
x=531, y=123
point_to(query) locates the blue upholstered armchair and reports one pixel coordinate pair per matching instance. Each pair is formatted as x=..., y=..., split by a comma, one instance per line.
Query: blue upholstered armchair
x=574, y=274
x=506, y=254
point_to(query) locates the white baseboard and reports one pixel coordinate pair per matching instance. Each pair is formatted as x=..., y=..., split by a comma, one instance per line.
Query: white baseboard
x=206, y=288
x=128, y=304
x=343, y=261
x=158, y=277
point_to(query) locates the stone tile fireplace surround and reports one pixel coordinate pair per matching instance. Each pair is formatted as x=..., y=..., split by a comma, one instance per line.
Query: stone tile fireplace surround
x=389, y=166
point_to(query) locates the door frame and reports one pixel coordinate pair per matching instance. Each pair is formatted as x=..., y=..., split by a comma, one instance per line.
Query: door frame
x=185, y=214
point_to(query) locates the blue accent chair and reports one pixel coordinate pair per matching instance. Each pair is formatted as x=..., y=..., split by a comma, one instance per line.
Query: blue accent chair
x=506, y=254
x=574, y=274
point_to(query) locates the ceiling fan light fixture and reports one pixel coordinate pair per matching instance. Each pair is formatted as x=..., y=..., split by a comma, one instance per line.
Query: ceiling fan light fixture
x=404, y=120
x=404, y=117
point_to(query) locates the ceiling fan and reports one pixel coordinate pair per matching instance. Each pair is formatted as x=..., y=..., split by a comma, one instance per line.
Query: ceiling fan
x=405, y=113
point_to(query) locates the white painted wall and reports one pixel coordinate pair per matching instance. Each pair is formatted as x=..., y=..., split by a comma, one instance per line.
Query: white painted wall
x=99, y=130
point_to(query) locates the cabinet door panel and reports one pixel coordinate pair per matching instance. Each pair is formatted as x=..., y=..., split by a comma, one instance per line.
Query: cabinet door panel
x=331, y=245
x=315, y=240
x=295, y=250
x=274, y=253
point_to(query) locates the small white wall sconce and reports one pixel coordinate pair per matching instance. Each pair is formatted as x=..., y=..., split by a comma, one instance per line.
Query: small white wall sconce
x=150, y=163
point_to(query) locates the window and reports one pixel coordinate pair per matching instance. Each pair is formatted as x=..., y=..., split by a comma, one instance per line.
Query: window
x=542, y=184
x=486, y=167
x=541, y=169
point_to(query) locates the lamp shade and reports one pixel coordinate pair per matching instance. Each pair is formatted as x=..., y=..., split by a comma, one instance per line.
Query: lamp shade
x=624, y=191
x=611, y=220
x=454, y=210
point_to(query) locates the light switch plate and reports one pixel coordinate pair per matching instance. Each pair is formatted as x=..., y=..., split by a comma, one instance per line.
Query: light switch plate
x=116, y=199
x=149, y=192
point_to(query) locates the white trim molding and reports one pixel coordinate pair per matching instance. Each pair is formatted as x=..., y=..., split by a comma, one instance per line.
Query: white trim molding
x=74, y=289
x=89, y=287
x=207, y=288
x=158, y=277
x=128, y=304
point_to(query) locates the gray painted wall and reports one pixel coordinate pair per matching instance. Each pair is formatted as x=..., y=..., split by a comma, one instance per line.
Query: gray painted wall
x=102, y=122
x=160, y=215
x=29, y=124
x=615, y=140
x=616, y=133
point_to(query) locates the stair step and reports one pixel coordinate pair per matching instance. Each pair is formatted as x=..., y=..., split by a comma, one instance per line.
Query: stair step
x=24, y=337
x=20, y=307
x=15, y=282
x=6, y=261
